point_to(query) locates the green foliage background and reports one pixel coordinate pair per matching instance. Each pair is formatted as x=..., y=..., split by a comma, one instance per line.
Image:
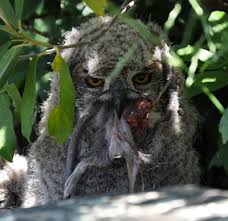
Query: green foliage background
x=200, y=51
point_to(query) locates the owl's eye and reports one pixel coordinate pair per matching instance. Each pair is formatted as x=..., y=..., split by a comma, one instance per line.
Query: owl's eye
x=141, y=78
x=94, y=82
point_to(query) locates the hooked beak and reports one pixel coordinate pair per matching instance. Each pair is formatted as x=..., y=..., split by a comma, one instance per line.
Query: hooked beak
x=119, y=95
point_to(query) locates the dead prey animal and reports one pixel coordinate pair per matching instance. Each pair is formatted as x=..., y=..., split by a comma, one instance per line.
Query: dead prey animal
x=121, y=144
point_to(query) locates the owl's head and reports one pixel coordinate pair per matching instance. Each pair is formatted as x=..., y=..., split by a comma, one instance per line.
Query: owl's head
x=93, y=65
x=124, y=86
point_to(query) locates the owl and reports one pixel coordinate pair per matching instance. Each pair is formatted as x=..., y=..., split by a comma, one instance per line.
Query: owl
x=128, y=136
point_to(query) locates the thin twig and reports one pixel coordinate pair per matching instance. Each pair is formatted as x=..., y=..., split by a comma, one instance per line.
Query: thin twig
x=45, y=52
x=125, y=7
x=163, y=90
x=51, y=47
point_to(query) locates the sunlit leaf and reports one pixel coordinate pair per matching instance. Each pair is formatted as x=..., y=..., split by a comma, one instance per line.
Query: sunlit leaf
x=223, y=126
x=216, y=16
x=172, y=17
x=218, y=22
x=97, y=6
x=19, y=8
x=213, y=80
x=7, y=62
x=176, y=61
x=220, y=27
x=196, y=6
x=143, y=30
x=204, y=55
x=28, y=101
x=7, y=134
x=123, y=61
x=15, y=96
x=60, y=121
x=189, y=51
x=7, y=13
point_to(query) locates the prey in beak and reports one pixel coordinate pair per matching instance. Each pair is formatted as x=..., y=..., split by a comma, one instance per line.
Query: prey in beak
x=119, y=138
x=122, y=144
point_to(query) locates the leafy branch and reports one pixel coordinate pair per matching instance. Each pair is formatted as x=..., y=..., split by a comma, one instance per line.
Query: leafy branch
x=25, y=106
x=20, y=34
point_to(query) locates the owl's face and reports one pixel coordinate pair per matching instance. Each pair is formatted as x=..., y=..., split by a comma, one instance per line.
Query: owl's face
x=132, y=82
x=142, y=77
x=126, y=100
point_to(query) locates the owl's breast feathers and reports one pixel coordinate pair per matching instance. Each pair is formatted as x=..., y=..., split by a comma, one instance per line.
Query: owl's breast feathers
x=120, y=142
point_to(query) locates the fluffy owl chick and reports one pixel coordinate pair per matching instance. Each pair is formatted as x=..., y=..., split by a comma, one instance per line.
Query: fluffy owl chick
x=123, y=140
x=11, y=181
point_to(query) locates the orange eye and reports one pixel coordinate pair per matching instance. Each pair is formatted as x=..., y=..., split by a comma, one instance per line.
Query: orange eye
x=141, y=78
x=94, y=82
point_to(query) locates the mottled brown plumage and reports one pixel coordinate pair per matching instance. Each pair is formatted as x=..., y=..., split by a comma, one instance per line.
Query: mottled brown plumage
x=123, y=146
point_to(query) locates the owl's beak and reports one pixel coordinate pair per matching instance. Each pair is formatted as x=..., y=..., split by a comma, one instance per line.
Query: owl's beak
x=119, y=95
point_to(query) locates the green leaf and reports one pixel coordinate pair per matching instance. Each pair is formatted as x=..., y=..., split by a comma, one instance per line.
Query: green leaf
x=28, y=101
x=7, y=13
x=15, y=96
x=218, y=22
x=19, y=8
x=30, y=7
x=7, y=134
x=189, y=51
x=123, y=61
x=216, y=16
x=223, y=126
x=7, y=62
x=56, y=120
x=60, y=120
x=97, y=6
x=4, y=48
x=213, y=80
x=144, y=30
x=19, y=79
x=221, y=157
x=172, y=17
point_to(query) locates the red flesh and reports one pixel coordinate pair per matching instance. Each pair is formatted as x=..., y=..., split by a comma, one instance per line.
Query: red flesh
x=138, y=119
